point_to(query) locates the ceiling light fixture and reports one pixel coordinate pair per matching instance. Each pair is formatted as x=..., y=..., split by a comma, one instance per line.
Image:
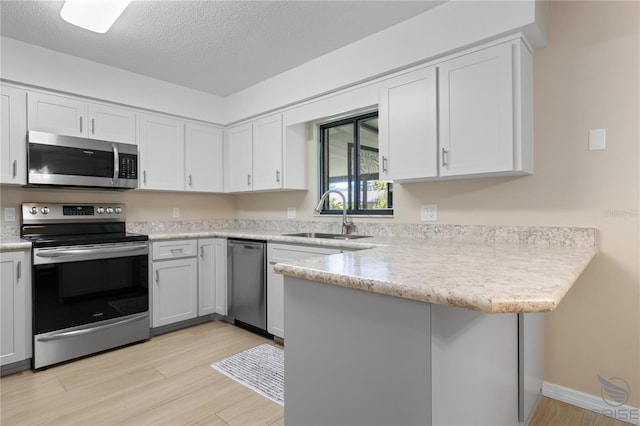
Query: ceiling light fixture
x=93, y=15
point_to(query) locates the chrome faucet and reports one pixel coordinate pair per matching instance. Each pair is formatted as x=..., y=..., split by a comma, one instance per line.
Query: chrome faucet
x=345, y=224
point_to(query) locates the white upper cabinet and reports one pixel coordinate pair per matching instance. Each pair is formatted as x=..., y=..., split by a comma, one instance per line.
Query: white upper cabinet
x=476, y=112
x=161, y=142
x=238, y=152
x=408, y=133
x=74, y=117
x=111, y=124
x=57, y=114
x=468, y=116
x=203, y=158
x=267, y=153
x=486, y=112
x=13, y=136
x=262, y=156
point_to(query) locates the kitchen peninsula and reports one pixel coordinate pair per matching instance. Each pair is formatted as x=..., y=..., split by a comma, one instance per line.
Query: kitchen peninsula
x=423, y=331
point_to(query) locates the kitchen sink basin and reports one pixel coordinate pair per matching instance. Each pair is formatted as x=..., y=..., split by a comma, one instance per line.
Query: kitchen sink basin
x=325, y=235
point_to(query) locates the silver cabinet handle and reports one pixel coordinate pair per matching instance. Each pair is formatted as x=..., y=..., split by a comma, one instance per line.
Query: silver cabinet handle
x=384, y=164
x=93, y=126
x=157, y=277
x=190, y=180
x=144, y=177
x=15, y=168
x=202, y=252
x=19, y=269
x=80, y=124
x=248, y=179
x=116, y=164
x=445, y=158
x=278, y=176
x=177, y=251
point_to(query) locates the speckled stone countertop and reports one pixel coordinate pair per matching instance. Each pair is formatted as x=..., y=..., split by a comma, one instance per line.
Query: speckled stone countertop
x=486, y=277
x=487, y=269
x=494, y=269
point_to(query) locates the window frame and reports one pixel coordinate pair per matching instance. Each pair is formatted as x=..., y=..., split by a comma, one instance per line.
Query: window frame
x=356, y=177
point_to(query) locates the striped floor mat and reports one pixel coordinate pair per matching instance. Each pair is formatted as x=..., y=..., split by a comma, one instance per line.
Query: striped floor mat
x=261, y=369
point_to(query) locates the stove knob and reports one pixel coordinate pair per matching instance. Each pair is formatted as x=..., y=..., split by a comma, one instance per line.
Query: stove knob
x=117, y=210
x=109, y=210
x=44, y=210
x=100, y=210
x=33, y=210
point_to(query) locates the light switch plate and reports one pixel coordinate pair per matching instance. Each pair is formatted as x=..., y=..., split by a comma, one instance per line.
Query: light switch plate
x=176, y=212
x=291, y=212
x=597, y=139
x=429, y=212
x=9, y=214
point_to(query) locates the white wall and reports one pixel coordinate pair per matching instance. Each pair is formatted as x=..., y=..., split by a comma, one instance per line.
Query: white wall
x=437, y=32
x=36, y=66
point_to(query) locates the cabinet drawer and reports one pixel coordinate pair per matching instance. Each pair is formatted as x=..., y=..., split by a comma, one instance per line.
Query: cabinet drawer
x=174, y=249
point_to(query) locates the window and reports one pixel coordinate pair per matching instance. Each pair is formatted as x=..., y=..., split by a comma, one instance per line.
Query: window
x=349, y=163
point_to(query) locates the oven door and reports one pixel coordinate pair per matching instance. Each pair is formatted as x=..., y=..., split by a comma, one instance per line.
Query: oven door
x=78, y=285
x=87, y=299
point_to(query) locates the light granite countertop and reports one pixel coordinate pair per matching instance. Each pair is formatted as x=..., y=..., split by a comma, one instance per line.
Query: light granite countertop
x=492, y=277
x=483, y=268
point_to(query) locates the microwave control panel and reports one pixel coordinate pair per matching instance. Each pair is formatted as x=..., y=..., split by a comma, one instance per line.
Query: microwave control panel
x=128, y=166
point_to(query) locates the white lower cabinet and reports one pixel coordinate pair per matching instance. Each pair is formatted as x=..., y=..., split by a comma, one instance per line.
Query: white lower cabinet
x=15, y=307
x=212, y=276
x=188, y=280
x=277, y=253
x=174, y=282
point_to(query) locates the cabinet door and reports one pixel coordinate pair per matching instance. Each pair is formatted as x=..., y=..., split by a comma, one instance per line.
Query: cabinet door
x=161, y=142
x=13, y=136
x=267, y=153
x=277, y=253
x=13, y=307
x=408, y=137
x=56, y=114
x=220, y=257
x=175, y=291
x=112, y=124
x=238, y=152
x=476, y=112
x=203, y=162
x=206, y=277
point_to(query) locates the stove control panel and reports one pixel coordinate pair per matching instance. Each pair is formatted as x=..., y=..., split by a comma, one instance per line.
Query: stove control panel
x=68, y=212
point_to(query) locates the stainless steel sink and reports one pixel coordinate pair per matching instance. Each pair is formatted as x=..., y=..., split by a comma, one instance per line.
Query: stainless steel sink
x=325, y=235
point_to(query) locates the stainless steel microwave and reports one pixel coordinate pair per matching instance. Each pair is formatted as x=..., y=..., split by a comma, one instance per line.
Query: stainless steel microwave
x=68, y=161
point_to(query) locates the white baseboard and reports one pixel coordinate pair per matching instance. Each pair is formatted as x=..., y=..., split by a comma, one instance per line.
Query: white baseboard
x=625, y=413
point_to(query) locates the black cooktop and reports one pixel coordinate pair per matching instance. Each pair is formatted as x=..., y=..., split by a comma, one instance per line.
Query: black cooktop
x=67, y=234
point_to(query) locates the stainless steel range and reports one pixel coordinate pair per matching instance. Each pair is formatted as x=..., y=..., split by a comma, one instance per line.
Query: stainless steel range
x=90, y=280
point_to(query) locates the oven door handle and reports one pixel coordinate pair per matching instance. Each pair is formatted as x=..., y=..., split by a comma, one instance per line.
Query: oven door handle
x=74, y=333
x=92, y=251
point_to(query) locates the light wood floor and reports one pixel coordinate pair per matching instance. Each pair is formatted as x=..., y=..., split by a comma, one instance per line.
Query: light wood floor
x=168, y=381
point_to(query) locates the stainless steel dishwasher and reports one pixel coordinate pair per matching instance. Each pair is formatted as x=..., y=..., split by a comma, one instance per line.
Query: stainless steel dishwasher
x=247, y=284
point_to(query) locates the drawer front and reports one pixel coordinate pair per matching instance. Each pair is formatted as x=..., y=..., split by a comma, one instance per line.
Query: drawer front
x=174, y=249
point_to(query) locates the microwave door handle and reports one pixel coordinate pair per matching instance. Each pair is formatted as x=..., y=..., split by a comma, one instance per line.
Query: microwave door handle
x=116, y=164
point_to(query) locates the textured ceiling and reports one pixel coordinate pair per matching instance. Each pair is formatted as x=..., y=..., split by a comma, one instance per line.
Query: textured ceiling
x=219, y=47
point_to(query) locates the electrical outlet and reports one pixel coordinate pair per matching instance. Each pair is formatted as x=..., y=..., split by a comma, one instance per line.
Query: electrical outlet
x=291, y=212
x=176, y=212
x=429, y=212
x=9, y=214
